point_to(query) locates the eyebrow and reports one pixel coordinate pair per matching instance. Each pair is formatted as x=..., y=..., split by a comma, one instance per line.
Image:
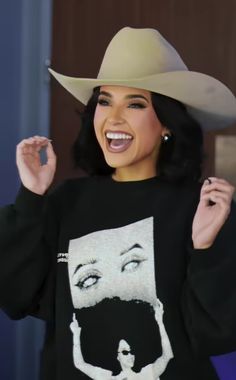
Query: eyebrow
x=130, y=96
x=94, y=261
x=91, y=261
x=136, y=245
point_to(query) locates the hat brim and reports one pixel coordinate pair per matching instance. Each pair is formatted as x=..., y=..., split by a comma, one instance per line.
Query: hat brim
x=208, y=100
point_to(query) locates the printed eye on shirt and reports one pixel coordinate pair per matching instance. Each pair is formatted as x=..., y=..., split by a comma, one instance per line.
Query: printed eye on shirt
x=118, y=329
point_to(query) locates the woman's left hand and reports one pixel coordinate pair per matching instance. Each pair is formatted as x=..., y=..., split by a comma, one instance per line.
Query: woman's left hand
x=159, y=311
x=209, y=218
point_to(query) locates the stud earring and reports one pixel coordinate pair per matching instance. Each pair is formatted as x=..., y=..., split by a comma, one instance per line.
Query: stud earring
x=165, y=137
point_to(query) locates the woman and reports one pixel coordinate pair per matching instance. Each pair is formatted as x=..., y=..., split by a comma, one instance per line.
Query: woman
x=141, y=139
x=125, y=355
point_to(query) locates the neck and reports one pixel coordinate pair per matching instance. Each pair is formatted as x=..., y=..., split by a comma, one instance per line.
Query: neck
x=134, y=173
x=127, y=370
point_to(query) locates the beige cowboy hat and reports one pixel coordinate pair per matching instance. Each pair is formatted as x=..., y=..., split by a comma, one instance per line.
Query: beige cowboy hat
x=142, y=58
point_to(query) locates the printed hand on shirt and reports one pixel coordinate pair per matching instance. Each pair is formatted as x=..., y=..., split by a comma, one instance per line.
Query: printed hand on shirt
x=209, y=218
x=76, y=330
x=159, y=311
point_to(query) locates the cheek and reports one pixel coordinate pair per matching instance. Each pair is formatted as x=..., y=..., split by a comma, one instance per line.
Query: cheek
x=149, y=127
x=98, y=122
x=150, y=135
x=100, y=116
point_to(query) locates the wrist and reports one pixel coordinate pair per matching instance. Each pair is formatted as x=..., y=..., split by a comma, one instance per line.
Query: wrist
x=39, y=190
x=201, y=246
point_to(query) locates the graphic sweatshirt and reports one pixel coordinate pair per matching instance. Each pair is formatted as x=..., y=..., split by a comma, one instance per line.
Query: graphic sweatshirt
x=111, y=268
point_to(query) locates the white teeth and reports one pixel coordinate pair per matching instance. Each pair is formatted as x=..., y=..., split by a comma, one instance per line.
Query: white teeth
x=113, y=136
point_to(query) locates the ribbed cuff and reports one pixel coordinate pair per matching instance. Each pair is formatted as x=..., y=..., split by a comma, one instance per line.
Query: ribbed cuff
x=29, y=203
x=200, y=259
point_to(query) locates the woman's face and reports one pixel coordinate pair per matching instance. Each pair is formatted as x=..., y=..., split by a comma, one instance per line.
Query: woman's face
x=127, y=127
x=113, y=263
x=125, y=355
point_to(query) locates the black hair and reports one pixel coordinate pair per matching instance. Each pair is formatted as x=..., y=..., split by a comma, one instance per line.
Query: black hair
x=112, y=320
x=180, y=158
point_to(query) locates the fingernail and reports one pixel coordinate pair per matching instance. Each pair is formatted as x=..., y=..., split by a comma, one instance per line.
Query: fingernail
x=208, y=181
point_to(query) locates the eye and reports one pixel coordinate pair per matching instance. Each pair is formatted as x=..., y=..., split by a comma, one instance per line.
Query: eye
x=88, y=281
x=137, y=105
x=103, y=102
x=132, y=265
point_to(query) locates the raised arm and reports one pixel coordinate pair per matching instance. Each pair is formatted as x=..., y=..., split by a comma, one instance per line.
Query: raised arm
x=25, y=245
x=160, y=364
x=209, y=292
x=93, y=372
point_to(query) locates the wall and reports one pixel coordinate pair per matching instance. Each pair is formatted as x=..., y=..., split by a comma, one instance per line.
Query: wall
x=25, y=27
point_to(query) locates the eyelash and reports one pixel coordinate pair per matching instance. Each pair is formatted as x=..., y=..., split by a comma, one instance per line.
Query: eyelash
x=82, y=281
x=105, y=103
x=96, y=277
x=132, y=260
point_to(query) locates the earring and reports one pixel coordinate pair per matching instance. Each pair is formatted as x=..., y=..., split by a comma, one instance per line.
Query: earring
x=165, y=138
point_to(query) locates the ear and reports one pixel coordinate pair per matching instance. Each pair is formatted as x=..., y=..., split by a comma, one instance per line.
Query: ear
x=165, y=130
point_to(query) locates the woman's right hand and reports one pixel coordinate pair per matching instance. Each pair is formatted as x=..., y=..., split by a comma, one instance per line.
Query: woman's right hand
x=74, y=326
x=34, y=175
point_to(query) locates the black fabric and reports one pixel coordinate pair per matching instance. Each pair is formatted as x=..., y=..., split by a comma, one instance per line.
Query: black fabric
x=196, y=287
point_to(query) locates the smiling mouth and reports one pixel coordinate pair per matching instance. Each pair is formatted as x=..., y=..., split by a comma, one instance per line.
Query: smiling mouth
x=118, y=142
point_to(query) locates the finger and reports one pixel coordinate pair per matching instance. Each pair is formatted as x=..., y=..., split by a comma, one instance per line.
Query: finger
x=25, y=144
x=38, y=140
x=29, y=148
x=25, y=148
x=219, y=186
x=215, y=193
x=33, y=139
x=217, y=198
x=40, y=137
x=217, y=179
x=51, y=156
x=72, y=327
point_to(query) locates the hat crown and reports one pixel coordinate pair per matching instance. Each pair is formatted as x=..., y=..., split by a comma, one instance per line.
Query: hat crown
x=136, y=53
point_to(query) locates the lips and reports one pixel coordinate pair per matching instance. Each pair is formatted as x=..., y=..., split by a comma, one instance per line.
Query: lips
x=118, y=141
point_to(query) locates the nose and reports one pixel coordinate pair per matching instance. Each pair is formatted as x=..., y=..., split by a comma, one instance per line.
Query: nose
x=115, y=116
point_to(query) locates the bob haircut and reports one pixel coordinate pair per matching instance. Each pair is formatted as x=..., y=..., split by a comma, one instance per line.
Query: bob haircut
x=180, y=158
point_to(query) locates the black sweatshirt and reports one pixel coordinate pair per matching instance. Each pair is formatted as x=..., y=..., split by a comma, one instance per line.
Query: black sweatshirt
x=111, y=268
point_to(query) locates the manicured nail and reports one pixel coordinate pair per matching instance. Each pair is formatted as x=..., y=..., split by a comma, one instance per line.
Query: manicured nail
x=208, y=181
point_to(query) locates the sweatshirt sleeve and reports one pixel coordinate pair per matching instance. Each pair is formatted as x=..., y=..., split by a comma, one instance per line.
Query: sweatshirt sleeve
x=209, y=293
x=28, y=232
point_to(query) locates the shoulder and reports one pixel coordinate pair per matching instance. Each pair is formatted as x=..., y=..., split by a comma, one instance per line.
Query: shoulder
x=70, y=187
x=73, y=190
x=184, y=193
x=182, y=199
x=146, y=371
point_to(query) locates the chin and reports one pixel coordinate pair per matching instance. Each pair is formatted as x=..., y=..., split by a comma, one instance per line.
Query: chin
x=117, y=162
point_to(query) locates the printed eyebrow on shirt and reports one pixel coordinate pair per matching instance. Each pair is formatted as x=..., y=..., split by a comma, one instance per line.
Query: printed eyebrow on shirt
x=130, y=96
x=136, y=245
x=94, y=261
x=91, y=261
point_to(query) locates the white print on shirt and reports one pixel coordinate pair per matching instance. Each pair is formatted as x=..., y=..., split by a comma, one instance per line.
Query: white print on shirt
x=112, y=282
x=62, y=257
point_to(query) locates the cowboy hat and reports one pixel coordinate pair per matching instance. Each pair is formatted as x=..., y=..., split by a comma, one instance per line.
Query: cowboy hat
x=142, y=58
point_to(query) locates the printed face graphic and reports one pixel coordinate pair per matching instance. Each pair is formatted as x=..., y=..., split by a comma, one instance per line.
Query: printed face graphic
x=113, y=263
x=125, y=355
x=111, y=274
